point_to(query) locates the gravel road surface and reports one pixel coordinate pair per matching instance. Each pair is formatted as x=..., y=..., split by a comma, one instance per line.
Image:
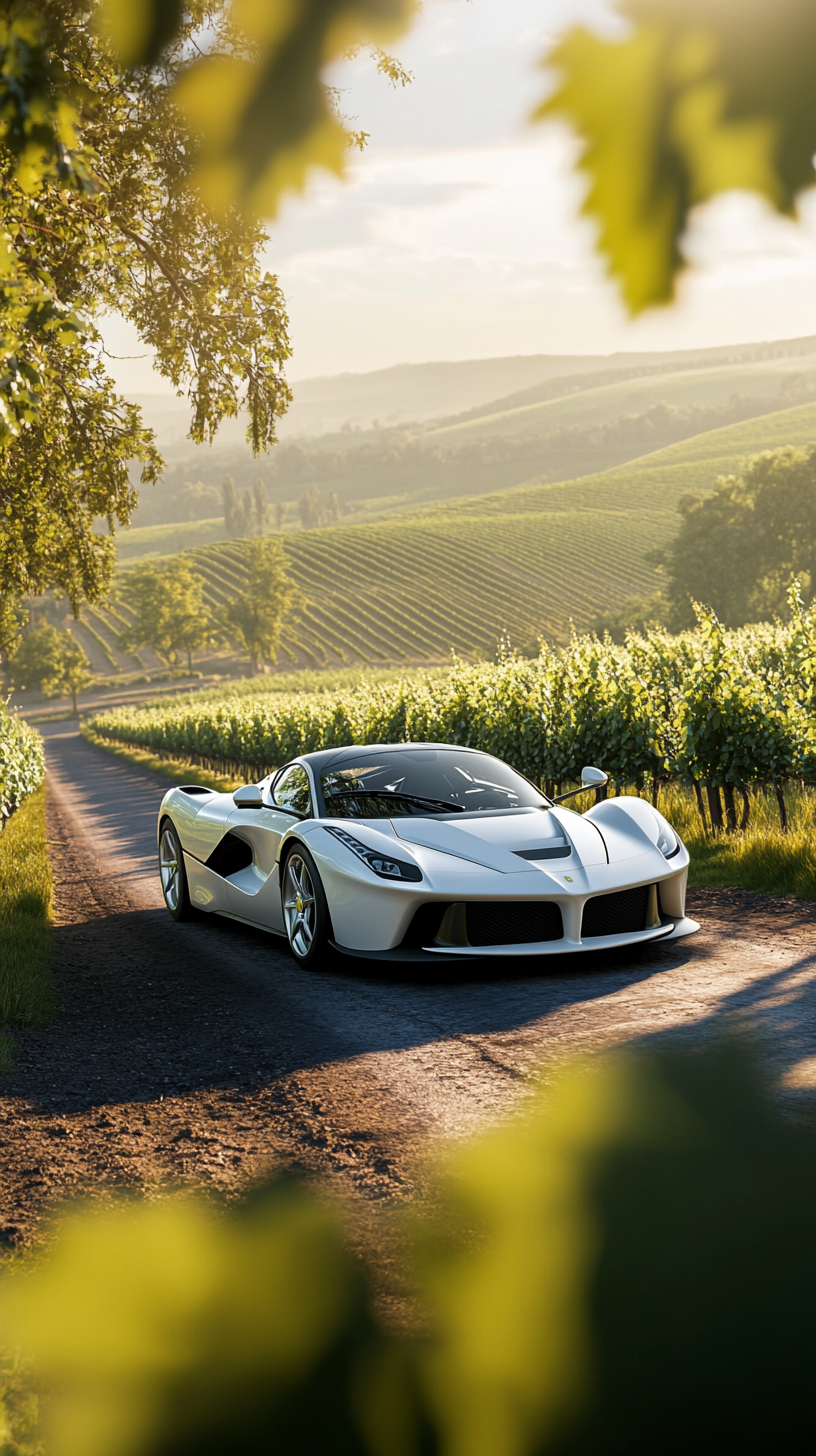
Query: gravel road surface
x=202, y=1054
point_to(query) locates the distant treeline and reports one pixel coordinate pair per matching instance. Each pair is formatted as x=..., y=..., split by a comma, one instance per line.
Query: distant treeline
x=291, y=472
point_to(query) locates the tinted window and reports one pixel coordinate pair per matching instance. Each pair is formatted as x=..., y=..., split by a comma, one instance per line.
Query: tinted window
x=362, y=786
x=291, y=790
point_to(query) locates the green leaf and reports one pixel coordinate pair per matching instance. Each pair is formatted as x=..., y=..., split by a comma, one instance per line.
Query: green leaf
x=701, y=96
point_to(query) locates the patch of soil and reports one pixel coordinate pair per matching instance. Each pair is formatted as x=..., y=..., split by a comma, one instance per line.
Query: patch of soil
x=151, y=1077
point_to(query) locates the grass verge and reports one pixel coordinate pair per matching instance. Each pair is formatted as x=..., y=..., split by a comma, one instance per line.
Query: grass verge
x=761, y=858
x=26, y=993
x=177, y=770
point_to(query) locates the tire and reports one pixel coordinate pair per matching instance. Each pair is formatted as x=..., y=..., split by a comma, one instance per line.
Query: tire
x=173, y=874
x=305, y=909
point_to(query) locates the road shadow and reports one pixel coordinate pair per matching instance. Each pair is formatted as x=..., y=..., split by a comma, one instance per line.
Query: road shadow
x=149, y=1007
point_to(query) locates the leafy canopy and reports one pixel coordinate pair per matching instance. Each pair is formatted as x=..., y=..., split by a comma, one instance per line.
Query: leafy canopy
x=698, y=97
x=52, y=660
x=740, y=548
x=170, y=614
x=245, y=77
x=99, y=212
x=256, y=615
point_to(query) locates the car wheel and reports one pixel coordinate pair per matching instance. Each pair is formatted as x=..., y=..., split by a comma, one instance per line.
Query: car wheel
x=305, y=910
x=173, y=874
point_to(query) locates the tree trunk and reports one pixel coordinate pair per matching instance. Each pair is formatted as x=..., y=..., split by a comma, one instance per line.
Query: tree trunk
x=74, y=696
x=701, y=807
x=190, y=661
x=714, y=807
x=655, y=792
x=746, y=810
x=549, y=788
x=783, y=813
x=730, y=808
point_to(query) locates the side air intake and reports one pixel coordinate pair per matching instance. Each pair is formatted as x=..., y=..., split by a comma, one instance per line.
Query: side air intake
x=229, y=856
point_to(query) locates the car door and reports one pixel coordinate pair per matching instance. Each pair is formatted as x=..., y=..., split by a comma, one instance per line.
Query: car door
x=254, y=891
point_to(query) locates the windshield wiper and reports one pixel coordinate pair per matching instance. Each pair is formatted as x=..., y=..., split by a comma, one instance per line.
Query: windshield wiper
x=390, y=794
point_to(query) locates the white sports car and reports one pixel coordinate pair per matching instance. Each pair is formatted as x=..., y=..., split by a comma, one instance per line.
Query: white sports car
x=422, y=851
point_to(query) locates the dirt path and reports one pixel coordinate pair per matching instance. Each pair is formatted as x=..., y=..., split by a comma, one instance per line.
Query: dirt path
x=201, y=1053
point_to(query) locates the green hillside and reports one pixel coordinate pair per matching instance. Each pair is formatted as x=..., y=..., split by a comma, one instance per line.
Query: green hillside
x=604, y=402
x=580, y=417
x=522, y=562
x=656, y=482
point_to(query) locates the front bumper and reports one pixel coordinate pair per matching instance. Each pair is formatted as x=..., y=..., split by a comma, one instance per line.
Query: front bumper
x=428, y=955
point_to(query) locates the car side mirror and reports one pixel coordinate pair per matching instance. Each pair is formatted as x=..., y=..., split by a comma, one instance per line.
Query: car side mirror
x=248, y=797
x=593, y=778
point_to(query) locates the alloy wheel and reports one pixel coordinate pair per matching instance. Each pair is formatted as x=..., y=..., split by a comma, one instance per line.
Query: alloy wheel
x=299, y=907
x=169, y=869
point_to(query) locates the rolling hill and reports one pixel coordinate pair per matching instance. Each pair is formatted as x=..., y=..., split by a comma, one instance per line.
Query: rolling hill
x=601, y=402
x=458, y=577
x=581, y=416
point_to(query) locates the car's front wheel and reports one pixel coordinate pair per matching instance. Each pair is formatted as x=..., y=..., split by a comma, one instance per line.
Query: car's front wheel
x=305, y=909
x=173, y=874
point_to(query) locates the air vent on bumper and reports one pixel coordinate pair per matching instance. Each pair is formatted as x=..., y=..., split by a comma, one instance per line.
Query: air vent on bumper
x=495, y=922
x=486, y=923
x=622, y=913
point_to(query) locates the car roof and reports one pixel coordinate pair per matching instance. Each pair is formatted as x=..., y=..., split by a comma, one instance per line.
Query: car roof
x=324, y=757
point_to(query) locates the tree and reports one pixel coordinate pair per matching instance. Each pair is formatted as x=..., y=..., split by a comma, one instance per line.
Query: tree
x=199, y=501
x=257, y=614
x=739, y=549
x=53, y=661
x=310, y=509
x=170, y=614
x=99, y=211
x=260, y=509
x=246, y=513
x=234, y=513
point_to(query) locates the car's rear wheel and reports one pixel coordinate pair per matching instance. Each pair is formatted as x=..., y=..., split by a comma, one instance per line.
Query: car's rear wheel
x=305, y=909
x=173, y=874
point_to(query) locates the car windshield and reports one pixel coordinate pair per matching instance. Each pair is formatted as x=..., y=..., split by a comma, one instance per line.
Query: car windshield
x=423, y=781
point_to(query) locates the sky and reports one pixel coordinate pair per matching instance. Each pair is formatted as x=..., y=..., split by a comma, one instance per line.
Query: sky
x=457, y=235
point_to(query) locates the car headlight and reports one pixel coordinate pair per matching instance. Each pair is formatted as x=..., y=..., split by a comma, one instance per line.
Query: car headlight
x=667, y=841
x=382, y=864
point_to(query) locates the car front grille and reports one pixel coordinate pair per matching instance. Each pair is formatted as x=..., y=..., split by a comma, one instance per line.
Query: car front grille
x=490, y=922
x=523, y=922
x=622, y=913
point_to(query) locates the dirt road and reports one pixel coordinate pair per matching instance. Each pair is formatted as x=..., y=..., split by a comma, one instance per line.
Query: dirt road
x=201, y=1053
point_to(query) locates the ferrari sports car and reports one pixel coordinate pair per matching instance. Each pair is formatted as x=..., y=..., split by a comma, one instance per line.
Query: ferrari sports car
x=422, y=851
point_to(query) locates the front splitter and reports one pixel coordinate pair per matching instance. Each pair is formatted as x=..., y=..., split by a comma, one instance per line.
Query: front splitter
x=670, y=930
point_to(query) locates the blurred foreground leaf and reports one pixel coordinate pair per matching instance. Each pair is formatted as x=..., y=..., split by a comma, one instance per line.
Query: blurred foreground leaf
x=254, y=96
x=629, y=1268
x=700, y=97
x=174, y=1329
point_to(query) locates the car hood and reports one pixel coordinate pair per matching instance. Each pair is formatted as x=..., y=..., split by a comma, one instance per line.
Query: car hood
x=505, y=842
x=502, y=842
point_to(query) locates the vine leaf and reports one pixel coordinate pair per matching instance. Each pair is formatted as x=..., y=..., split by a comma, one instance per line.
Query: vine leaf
x=700, y=97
